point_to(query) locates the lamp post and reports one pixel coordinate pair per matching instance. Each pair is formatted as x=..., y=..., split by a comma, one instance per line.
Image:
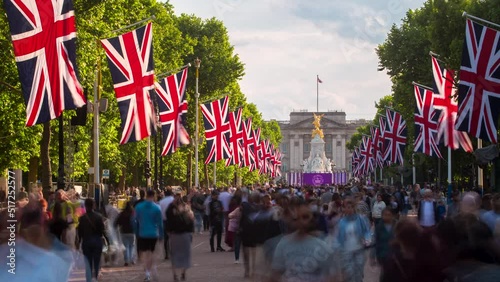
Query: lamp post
x=197, y=63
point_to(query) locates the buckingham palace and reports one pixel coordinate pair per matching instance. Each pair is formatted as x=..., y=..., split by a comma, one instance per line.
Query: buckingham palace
x=296, y=138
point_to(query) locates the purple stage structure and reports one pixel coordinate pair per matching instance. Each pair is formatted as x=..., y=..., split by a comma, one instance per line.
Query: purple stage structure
x=317, y=179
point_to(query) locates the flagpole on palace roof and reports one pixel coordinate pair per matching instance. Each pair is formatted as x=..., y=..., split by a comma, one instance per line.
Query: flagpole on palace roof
x=317, y=93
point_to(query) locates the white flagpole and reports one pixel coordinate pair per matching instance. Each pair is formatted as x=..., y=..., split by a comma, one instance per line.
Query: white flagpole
x=479, y=169
x=480, y=20
x=317, y=93
x=414, y=170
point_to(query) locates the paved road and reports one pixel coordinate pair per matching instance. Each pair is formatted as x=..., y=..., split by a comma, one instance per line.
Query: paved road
x=207, y=267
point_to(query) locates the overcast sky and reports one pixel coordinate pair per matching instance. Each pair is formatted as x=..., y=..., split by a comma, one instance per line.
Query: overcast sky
x=284, y=44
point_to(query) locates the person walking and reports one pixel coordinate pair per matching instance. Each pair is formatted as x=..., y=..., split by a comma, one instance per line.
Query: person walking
x=180, y=227
x=198, y=209
x=353, y=236
x=377, y=209
x=427, y=211
x=123, y=223
x=216, y=220
x=148, y=225
x=90, y=233
x=164, y=204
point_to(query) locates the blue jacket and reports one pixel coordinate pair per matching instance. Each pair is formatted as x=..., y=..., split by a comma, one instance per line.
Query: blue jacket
x=148, y=222
x=362, y=228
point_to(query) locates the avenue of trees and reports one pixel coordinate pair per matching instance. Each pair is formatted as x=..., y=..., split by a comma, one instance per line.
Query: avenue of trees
x=437, y=26
x=178, y=40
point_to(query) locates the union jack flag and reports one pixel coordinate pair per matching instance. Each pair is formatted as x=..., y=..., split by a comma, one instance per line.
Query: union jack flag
x=248, y=144
x=44, y=36
x=172, y=105
x=377, y=147
x=235, y=138
x=276, y=161
x=394, y=137
x=257, y=150
x=216, y=120
x=130, y=60
x=366, y=155
x=265, y=157
x=479, y=89
x=444, y=94
x=426, y=123
x=355, y=161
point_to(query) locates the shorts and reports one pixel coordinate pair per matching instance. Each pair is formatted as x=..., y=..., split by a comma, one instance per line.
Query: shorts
x=146, y=244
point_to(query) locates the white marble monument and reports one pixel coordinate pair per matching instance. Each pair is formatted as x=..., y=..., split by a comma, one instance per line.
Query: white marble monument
x=317, y=161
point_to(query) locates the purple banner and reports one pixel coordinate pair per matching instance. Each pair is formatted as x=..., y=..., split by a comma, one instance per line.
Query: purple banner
x=317, y=179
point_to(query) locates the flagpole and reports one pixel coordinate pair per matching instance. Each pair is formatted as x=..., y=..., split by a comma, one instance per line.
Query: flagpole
x=414, y=170
x=450, y=186
x=215, y=174
x=317, y=93
x=197, y=64
x=134, y=24
x=479, y=169
x=96, y=135
x=479, y=19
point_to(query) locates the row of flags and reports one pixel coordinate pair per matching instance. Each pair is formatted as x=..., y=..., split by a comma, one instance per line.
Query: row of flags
x=44, y=39
x=385, y=146
x=231, y=139
x=443, y=114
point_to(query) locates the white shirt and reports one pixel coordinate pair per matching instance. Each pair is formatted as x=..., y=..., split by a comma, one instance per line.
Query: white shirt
x=378, y=207
x=352, y=242
x=225, y=199
x=427, y=214
x=164, y=203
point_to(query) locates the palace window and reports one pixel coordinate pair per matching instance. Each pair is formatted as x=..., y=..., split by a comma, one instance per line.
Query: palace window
x=307, y=148
x=328, y=147
x=284, y=148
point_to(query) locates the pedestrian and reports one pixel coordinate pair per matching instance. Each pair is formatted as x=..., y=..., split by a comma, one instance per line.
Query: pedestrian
x=164, y=204
x=427, y=211
x=148, y=226
x=377, y=209
x=180, y=227
x=234, y=226
x=216, y=220
x=384, y=233
x=301, y=256
x=123, y=223
x=352, y=237
x=90, y=233
x=230, y=232
x=198, y=209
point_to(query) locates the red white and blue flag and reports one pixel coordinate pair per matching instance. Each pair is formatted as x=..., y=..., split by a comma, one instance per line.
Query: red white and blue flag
x=355, y=161
x=248, y=145
x=377, y=144
x=257, y=150
x=479, y=89
x=217, y=130
x=444, y=100
x=366, y=155
x=44, y=36
x=235, y=138
x=130, y=60
x=276, y=160
x=265, y=157
x=394, y=137
x=172, y=107
x=426, y=122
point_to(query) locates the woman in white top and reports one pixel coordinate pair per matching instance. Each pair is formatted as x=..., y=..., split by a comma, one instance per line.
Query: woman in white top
x=377, y=209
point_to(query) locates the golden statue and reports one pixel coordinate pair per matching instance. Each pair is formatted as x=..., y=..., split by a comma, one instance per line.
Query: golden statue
x=317, y=124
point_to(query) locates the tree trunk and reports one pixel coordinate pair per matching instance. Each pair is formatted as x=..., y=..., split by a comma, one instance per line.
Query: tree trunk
x=33, y=172
x=45, y=157
x=121, y=181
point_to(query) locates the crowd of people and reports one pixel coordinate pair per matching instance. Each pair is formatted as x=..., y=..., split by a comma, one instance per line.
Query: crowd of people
x=278, y=233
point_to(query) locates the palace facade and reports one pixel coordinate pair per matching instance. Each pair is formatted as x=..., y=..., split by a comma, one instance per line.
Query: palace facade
x=297, y=134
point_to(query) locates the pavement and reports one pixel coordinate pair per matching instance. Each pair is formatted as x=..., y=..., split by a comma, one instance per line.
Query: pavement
x=207, y=267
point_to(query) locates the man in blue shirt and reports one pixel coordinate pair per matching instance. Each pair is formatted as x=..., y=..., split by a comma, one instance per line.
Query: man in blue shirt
x=148, y=225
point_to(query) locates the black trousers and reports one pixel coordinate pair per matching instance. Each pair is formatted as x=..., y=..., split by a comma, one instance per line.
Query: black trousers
x=216, y=229
x=206, y=223
x=166, y=241
x=92, y=250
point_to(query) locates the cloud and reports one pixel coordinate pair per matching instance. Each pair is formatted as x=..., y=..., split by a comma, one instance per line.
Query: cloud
x=286, y=43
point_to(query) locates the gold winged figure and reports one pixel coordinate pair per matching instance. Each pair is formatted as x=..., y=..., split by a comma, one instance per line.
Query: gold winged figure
x=317, y=126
